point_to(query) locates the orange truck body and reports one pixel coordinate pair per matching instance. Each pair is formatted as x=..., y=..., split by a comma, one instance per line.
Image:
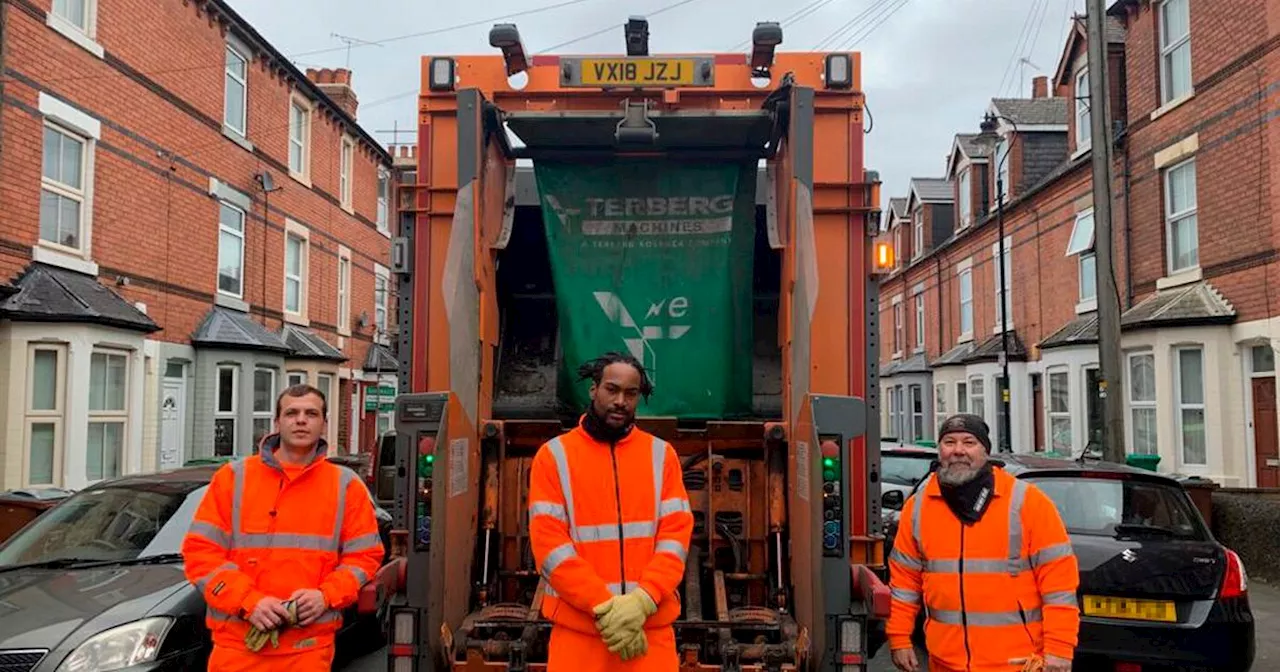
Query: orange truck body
x=798, y=581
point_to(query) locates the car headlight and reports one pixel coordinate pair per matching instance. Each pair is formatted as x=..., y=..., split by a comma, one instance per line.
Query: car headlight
x=120, y=647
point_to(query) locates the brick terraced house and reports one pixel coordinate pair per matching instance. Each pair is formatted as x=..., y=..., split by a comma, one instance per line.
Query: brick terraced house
x=187, y=225
x=1193, y=98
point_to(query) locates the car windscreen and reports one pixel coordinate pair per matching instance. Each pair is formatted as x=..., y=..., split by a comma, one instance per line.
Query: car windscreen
x=113, y=523
x=1110, y=507
x=904, y=469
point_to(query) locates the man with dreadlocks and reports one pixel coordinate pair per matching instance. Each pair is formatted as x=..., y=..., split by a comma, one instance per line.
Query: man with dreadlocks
x=610, y=522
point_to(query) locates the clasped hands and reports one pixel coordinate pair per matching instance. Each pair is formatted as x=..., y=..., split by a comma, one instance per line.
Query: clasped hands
x=271, y=615
x=621, y=623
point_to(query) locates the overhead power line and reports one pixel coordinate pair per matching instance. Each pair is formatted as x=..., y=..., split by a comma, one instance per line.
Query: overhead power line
x=614, y=26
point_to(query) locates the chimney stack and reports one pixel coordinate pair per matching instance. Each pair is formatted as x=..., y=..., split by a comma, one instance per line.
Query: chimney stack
x=1040, y=87
x=336, y=83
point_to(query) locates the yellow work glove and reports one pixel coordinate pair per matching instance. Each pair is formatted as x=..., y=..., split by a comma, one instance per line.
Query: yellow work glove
x=634, y=648
x=625, y=618
x=256, y=639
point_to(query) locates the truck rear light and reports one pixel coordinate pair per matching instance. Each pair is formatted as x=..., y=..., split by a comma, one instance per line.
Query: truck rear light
x=1235, y=582
x=839, y=71
x=402, y=627
x=402, y=665
x=442, y=76
x=850, y=637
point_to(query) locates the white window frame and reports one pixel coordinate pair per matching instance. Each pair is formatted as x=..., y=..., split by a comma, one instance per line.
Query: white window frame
x=899, y=337
x=965, y=286
x=223, y=229
x=1183, y=405
x=915, y=395
x=965, y=196
x=269, y=413
x=229, y=77
x=917, y=233
x=222, y=413
x=980, y=397
x=1135, y=405
x=346, y=171
x=296, y=231
x=939, y=406
x=1064, y=375
x=1172, y=219
x=297, y=377
x=1081, y=243
x=83, y=35
x=1002, y=166
x=962, y=396
x=64, y=190
x=920, y=323
x=1168, y=47
x=891, y=429
x=1083, y=107
x=344, y=290
x=381, y=305
x=55, y=416
x=325, y=383
x=1007, y=261
x=899, y=258
x=384, y=201
x=118, y=416
x=67, y=119
x=300, y=137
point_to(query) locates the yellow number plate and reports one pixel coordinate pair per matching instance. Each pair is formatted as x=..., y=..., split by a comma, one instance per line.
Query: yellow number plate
x=1136, y=610
x=627, y=72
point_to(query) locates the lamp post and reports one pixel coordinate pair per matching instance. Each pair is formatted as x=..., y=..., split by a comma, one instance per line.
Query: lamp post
x=989, y=135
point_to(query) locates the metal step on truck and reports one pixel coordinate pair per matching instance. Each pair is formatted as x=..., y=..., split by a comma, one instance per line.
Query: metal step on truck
x=709, y=213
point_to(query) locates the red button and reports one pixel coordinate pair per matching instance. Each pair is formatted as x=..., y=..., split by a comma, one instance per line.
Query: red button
x=830, y=449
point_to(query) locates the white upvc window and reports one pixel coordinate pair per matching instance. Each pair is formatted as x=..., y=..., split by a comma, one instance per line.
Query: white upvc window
x=264, y=402
x=1181, y=222
x=300, y=138
x=230, y=250
x=345, y=171
x=1191, y=406
x=1084, y=123
x=297, y=262
x=324, y=383
x=344, y=291
x=45, y=422
x=1081, y=244
x=899, y=247
x=899, y=339
x=381, y=300
x=966, y=304
x=920, y=322
x=916, y=395
x=1175, y=49
x=917, y=240
x=939, y=406
x=1142, y=403
x=384, y=199
x=962, y=397
x=77, y=20
x=1060, y=435
x=977, y=397
x=1003, y=275
x=226, y=403
x=297, y=378
x=1002, y=164
x=235, y=111
x=965, y=193
x=891, y=418
x=108, y=414
x=64, y=188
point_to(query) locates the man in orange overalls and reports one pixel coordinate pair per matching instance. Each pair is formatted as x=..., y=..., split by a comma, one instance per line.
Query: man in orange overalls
x=610, y=523
x=989, y=557
x=285, y=526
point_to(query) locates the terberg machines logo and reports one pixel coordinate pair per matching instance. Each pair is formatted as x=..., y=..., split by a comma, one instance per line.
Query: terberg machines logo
x=640, y=338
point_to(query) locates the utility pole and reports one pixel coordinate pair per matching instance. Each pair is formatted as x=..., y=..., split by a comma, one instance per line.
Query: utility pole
x=1108, y=297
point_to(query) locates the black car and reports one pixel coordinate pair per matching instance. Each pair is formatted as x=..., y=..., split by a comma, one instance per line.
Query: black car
x=1157, y=590
x=96, y=582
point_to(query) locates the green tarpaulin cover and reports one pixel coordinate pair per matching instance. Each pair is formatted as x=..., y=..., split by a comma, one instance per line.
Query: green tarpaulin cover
x=655, y=258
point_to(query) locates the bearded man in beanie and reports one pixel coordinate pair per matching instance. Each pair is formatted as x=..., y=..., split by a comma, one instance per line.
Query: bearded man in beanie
x=988, y=557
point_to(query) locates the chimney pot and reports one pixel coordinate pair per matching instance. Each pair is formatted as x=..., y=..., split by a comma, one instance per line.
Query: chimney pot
x=1040, y=87
x=342, y=76
x=313, y=74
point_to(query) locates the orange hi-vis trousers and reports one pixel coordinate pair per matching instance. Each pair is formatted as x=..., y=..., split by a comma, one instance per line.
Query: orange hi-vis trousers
x=574, y=651
x=318, y=659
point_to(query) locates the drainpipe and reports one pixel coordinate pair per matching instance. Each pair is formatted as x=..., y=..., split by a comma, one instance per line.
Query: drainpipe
x=1128, y=229
x=937, y=262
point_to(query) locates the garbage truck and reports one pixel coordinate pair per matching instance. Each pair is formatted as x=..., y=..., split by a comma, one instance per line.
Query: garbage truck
x=709, y=213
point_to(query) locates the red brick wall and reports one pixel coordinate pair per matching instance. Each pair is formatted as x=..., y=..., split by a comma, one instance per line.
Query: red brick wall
x=1235, y=64
x=159, y=97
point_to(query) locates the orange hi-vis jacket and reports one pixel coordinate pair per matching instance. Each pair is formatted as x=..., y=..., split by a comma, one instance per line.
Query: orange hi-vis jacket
x=607, y=519
x=267, y=529
x=996, y=592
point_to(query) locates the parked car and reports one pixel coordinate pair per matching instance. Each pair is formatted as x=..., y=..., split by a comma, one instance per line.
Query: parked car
x=96, y=583
x=902, y=468
x=19, y=507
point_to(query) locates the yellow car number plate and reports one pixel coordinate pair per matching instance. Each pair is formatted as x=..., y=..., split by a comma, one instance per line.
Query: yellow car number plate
x=627, y=72
x=1131, y=609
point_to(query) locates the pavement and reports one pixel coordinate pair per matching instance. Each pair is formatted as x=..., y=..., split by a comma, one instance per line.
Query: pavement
x=1263, y=598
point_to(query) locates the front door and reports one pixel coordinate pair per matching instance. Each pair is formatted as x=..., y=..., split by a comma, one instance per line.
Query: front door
x=1037, y=412
x=1266, y=440
x=173, y=412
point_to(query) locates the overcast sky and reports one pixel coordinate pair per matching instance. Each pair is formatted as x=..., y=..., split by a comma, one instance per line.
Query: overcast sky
x=918, y=92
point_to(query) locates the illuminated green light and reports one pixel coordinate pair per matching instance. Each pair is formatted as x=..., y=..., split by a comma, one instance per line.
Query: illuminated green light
x=828, y=462
x=431, y=458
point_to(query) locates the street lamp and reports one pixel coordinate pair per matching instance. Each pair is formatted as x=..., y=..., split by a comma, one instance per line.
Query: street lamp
x=989, y=136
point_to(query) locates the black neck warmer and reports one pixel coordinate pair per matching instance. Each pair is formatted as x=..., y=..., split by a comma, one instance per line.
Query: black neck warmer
x=600, y=430
x=969, y=500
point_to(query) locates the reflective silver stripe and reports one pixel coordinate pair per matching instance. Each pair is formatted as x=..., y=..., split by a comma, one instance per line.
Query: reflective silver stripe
x=204, y=580
x=220, y=616
x=548, y=509
x=1062, y=598
x=363, y=542
x=305, y=542
x=609, y=531
x=904, y=595
x=548, y=591
x=211, y=532
x=659, y=462
x=672, y=547
x=676, y=505
x=905, y=560
x=557, y=555
x=982, y=618
x=562, y=468
x=1050, y=553
x=1016, y=563
x=345, y=477
x=237, y=494
x=361, y=577
x=916, y=514
x=971, y=566
x=329, y=616
x=616, y=588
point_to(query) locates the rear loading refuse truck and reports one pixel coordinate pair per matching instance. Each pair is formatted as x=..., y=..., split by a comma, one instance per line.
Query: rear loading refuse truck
x=711, y=215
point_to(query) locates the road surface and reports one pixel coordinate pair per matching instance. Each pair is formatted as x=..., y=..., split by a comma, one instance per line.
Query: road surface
x=1264, y=598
